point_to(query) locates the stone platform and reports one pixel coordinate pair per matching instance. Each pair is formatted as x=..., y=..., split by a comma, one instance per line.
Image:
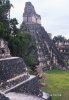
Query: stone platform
x=11, y=67
x=15, y=78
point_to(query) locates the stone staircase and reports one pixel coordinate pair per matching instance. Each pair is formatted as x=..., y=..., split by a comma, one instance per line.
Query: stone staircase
x=45, y=43
x=44, y=37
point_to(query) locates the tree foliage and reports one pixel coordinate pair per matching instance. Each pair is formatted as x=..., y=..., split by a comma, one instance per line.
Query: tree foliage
x=58, y=38
x=4, y=18
x=13, y=26
x=21, y=45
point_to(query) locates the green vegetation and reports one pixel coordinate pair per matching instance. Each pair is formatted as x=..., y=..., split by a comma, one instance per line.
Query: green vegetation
x=57, y=84
x=22, y=45
x=4, y=18
x=58, y=39
x=13, y=26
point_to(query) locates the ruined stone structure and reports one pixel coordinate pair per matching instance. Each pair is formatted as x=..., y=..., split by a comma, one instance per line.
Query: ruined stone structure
x=30, y=16
x=48, y=54
x=14, y=76
x=4, y=50
x=63, y=47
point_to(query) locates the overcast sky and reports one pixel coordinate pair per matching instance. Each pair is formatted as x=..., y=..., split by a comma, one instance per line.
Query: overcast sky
x=54, y=14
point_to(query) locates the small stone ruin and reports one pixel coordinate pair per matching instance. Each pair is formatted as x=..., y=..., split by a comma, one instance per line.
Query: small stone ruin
x=4, y=50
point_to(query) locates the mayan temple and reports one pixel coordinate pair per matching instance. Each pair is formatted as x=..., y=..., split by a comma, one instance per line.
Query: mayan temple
x=48, y=54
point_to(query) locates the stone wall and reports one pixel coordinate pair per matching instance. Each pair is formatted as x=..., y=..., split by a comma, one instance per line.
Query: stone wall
x=11, y=67
x=30, y=87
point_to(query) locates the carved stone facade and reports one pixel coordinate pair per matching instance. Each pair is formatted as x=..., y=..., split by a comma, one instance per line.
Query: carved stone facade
x=30, y=16
x=4, y=50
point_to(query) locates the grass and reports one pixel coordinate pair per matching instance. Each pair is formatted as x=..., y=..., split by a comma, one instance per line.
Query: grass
x=57, y=84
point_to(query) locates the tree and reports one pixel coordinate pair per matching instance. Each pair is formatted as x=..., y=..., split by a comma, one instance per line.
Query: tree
x=58, y=38
x=4, y=18
x=13, y=26
x=21, y=45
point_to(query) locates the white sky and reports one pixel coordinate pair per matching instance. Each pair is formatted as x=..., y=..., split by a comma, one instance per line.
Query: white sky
x=54, y=14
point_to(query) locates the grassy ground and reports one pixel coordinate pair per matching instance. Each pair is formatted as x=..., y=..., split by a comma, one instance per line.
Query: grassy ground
x=57, y=84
